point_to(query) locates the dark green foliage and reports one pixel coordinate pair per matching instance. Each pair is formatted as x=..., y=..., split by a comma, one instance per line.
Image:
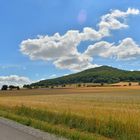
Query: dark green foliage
x=4, y=87
x=79, y=85
x=11, y=87
x=52, y=86
x=29, y=86
x=130, y=84
x=18, y=88
x=103, y=74
x=102, y=84
x=63, y=85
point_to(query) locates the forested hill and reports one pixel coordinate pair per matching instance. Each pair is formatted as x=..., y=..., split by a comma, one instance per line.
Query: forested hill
x=103, y=74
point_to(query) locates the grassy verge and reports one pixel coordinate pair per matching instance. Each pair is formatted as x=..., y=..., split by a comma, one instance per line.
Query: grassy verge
x=19, y=114
x=111, y=128
x=72, y=126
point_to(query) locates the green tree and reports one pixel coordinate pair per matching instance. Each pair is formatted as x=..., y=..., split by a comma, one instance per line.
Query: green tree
x=11, y=87
x=102, y=84
x=79, y=85
x=4, y=87
x=63, y=85
x=130, y=84
x=27, y=86
x=18, y=88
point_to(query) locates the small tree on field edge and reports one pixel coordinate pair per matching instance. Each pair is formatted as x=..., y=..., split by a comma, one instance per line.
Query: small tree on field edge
x=4, y=87
x=130, y=84
x=102, y=84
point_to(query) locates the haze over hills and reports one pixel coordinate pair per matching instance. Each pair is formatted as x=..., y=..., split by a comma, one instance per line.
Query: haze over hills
x=103, y=74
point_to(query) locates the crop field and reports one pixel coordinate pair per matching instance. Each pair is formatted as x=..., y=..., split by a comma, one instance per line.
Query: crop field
x=93, y=113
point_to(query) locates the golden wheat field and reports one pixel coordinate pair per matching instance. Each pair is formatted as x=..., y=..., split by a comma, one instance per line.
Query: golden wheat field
x=84, y=113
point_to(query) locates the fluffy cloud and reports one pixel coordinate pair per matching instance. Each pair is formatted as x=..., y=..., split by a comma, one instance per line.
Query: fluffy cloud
x=98, y=48
x=14, y=80
x=62, y=49
x=75, y=63
x=112, y=21
x=50, y=48
x=127, y=49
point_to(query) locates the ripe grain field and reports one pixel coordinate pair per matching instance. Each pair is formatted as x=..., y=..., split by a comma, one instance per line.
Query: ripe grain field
x=77, y=113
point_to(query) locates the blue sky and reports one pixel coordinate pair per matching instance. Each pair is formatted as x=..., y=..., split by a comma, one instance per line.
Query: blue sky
x=23, y=20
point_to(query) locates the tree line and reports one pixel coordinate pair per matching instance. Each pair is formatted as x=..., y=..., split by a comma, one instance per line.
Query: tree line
x=10, y=87
x=102, y=74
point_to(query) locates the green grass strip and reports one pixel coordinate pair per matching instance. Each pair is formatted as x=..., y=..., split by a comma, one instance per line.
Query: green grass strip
x=59, y=130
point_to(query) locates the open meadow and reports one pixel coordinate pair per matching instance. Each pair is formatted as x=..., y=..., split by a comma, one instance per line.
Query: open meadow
x=82, y=113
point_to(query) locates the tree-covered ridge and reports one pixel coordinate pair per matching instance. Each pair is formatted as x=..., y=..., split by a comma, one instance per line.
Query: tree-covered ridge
x=103, y=74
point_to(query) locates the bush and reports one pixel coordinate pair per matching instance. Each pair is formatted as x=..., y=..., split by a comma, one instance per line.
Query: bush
x=4, y=87
x=11, y=87
x=79, y=85
x=27, y=86
x=130, y=84
x=102, y=84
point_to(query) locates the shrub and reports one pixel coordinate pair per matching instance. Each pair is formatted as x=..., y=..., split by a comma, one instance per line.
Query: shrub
x=4, y=87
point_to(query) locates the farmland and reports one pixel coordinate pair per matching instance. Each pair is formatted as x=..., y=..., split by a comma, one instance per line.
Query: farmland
x=82, y=113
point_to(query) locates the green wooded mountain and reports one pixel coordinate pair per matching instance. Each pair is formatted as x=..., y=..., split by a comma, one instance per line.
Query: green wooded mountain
x=103, y=74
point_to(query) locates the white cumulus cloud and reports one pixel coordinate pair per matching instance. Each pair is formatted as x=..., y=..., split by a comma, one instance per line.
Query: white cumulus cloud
x=75, y=63
x=62, y=50
x=112, y=21
x=127, y=49
x=14, y=80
